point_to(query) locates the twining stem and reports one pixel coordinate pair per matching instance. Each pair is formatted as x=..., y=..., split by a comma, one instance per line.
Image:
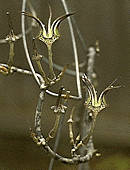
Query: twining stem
x=11, y=54
x=52, y=74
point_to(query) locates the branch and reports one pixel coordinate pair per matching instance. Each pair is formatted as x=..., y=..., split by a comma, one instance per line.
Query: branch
x=86, y=122
x=70, y=122
x=60, y=68
x=40, y=140
x=4, y=70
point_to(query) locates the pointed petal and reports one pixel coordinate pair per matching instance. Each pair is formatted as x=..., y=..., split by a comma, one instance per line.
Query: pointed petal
x=85, y=80
x=91, y=88
x=38, y=21
x=57, y=22
x=87, y=102
x=49, y=21
x=110, y=87
x=104, y=101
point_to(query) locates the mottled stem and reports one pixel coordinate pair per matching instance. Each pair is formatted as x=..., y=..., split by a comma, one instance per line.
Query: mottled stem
x=40, y=140
x=86, y=122
x=38, y=114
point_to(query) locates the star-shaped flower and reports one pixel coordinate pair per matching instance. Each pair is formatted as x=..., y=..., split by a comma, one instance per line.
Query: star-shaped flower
x=95, y=103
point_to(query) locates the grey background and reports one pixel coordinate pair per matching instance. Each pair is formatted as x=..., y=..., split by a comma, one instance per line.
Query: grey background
x=104, y=20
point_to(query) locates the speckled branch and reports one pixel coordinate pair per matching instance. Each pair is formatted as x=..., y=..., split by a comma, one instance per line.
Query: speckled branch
x=87, y=122
x=38, y=113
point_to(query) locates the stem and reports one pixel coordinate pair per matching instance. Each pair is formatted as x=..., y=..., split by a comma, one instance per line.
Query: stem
x=11, y=54
x=27, y=72
x=85, y=140
x=60, y=125
x=41, y=71
x=40, y=140
x=57, y=139
x=70, y=122
x=86, y=124
x=52, y=74
x=53, y=131
x=38, y=114
x=60, y=68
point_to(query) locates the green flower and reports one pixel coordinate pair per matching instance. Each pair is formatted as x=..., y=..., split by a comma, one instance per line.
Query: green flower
x=52, y=33
x=95, y=103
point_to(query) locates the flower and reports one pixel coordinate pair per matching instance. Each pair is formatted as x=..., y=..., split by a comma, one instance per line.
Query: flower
x=95, y=103
x=52, y=33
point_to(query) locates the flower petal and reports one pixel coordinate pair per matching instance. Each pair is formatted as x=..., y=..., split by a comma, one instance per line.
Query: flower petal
x=38, y=21
x=57, y=22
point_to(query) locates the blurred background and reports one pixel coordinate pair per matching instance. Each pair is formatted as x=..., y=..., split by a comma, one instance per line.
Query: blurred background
x=106, y=21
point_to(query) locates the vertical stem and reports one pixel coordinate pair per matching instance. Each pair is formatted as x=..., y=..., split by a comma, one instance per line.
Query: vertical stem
x=11, y=54
x=38, y=113
x=86, y=123
x=70, y=122
x=52, y=74
x=86, y=138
